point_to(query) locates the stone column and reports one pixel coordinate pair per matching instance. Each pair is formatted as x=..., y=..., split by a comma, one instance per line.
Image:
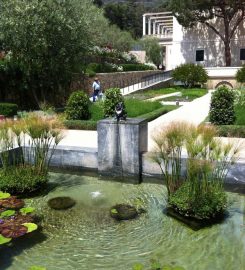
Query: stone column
x=120, y=148
x=158, y=29
x=144, y=26
x=149, y=26
x=154, y=27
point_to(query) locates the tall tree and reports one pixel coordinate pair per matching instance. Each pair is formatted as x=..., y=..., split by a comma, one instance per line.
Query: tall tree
x=230, y=12
x=127, y=16
x=48, y=40
x=153, y=50
x=98, y=3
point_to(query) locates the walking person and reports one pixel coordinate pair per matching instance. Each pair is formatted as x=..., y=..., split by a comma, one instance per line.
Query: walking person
x=96, y=89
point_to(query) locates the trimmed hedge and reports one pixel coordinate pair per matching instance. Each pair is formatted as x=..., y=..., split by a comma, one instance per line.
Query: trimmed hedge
x=136, y=67
x=155, y=114
x=80, y=124
x=8, y=109
x=94, y=68
x=231, y=131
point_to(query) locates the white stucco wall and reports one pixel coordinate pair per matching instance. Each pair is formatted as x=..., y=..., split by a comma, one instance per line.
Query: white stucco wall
x=140, y=55
x=187, y=41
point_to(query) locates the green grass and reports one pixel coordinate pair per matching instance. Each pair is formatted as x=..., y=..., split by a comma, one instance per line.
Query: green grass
x=147, y=94
x=240, y=114
x=96, y=111
x=135, y=108
x=188, y=95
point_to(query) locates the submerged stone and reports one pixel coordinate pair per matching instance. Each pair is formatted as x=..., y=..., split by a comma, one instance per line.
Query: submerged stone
x=123, y=212
x=61, y=203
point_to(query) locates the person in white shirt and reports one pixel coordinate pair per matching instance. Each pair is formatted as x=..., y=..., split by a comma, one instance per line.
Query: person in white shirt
x=96, y=88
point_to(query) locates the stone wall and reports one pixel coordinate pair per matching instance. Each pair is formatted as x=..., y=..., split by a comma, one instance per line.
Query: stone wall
x=214, y=83
x=111, y=80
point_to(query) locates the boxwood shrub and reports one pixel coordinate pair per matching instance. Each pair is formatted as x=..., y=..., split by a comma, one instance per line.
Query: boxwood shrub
x=112, y=97
x=222, y=110
x=240, y=75
x=77, y=107
x=8, y=109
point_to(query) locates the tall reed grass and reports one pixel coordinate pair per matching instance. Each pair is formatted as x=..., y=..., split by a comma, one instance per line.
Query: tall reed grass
x=207, y=163
x=37, y=138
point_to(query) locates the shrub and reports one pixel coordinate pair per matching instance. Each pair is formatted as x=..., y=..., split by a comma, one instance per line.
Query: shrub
x=77, y=107
x=232, y=131
x=8, y=109
x=112, y=97
x=190, y=74
x=101, y=68
x=240, y=75
x=222, y=107
x=80, y=125
x=136, y=67
x=95, y=67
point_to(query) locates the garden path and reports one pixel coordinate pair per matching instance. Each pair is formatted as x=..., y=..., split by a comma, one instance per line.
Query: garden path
x=194, y=112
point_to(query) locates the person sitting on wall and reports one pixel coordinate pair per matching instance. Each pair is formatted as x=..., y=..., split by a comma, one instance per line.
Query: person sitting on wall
x=96, y=89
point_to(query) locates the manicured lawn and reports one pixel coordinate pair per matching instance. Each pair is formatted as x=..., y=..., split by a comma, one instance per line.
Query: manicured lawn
x=188, y=95
x=147, y=94
x=135, y=108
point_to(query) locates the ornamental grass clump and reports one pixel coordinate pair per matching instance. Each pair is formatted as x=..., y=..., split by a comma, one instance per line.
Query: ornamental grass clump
x=169, y=144
x=26, y=148
x=196, y=187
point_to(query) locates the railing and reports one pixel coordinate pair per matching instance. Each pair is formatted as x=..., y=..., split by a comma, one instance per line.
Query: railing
x=146, y=82
x=155, y=78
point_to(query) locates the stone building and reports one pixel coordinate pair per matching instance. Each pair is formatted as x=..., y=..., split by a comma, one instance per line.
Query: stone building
x=199, y=44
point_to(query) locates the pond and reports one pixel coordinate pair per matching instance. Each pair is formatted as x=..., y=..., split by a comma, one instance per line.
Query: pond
x=86, y=237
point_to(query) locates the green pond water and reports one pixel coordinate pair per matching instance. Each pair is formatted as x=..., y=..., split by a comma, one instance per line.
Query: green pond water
x=86, y=237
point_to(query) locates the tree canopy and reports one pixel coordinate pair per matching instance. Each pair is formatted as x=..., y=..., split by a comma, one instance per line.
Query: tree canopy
x=127, y=16
x=48, y=39
x=230, y=12
x=153, y=50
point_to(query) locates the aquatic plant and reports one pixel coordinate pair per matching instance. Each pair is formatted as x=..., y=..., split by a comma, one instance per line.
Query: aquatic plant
x=198, y=192
x=14, y=223
x=26, y=149
x=155, y=265
x=35, y=267
x=169, y=144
